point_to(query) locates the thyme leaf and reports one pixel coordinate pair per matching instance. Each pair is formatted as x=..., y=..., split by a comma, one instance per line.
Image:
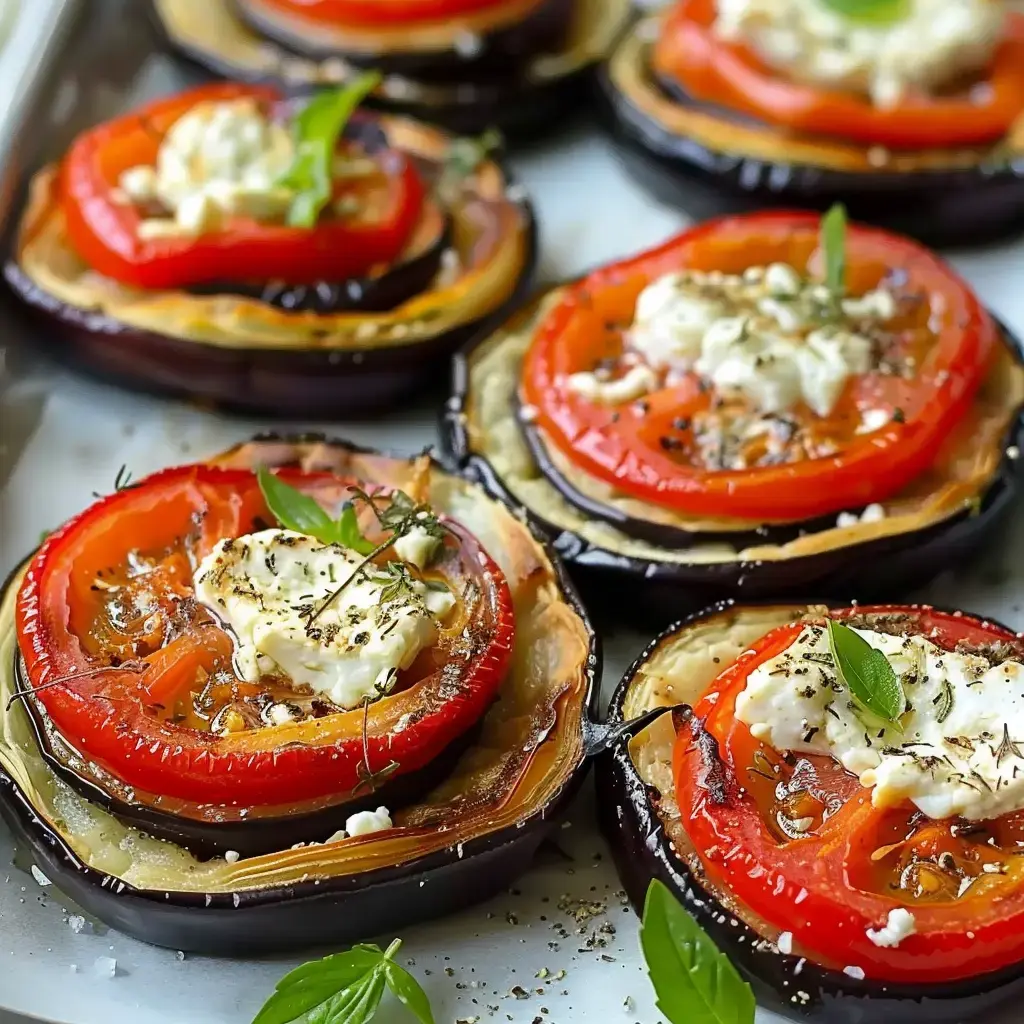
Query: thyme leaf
x=944, y=702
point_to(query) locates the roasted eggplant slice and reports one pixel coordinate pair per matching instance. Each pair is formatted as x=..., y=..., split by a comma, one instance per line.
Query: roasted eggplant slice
x=642, y=812
x=464, y=839
x=712, y=160
x=304, y=346
x=525, y=99
x=668, y=560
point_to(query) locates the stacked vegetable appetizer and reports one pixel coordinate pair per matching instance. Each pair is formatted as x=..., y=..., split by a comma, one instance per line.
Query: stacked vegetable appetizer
x=469, y=64
x=911, y=112
x=300, y=257
x=766, y=404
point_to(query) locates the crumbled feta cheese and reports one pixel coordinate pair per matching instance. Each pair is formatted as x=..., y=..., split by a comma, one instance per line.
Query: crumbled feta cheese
x=636, y=382
x=934, y=43
x=231, y=856
x=416, y=546
x=873, y=513
x=105, y=967
x=899, y=925
x=857, y=973
x=785, y=943
x=220, y=159
x=265, y=587
x=766, y=335
x=873, y=419
x=362, y=823
x=959, y=751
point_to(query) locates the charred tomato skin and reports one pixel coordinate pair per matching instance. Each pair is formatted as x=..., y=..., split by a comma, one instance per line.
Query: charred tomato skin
x=333, y=911
x=942, y=207
x=642, y=851
x=648, y=592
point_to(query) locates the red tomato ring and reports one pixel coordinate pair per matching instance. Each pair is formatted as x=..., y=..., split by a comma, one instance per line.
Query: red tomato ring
x=112, y=718
x=622, y=445
x=708, y=68
x=104, y=230
x=385, y=12
x=808, y=886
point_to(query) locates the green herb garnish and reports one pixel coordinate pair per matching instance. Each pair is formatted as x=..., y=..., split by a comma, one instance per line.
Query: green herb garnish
x=833, y=246
x=867, y=673
x=318, y=127
x=345, y=988
x=464, y=156
x=944, y=703
x=301, y=513
x=875, y=12
x=694, y=981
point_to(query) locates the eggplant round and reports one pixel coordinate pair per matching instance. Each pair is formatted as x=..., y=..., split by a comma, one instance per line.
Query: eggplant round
x=484, y=46
x=651, y=565
x=640, y=818
x=465, y=840
x=277, y=352
x=529, y=99
x=712, y=161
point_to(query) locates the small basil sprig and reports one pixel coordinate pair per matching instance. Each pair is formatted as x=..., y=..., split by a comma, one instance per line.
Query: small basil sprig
x=301, y=513
x=833, y=246
x=867, y=673
x=345, y=988
x=317, y=127
x=876, y=12
x=694, y=981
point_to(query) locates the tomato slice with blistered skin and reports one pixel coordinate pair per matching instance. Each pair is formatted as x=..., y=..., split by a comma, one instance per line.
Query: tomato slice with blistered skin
x=104, y=228
x=118, y=653
x=951, y=336
x=709, y=68
x=849, y=871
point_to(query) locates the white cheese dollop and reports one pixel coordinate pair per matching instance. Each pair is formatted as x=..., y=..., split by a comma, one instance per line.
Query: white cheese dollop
x=636, y=382
x=362, y=823
x=899, y=925
x=934, y=43
x=219, y=159
x=263, y=586
x=768, y=335
x=961, y=749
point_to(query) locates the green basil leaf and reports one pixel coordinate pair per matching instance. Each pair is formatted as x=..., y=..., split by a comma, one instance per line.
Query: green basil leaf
x=877, y=12
x=867, y=673
x=318, y=127
x=694, y=981
x=295, y=510
x=409, y=991
x=349, y=534
x=833, y=245
x=355, y=1005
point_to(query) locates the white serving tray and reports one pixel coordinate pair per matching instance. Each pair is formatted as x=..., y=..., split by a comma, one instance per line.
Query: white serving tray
x=63, y=437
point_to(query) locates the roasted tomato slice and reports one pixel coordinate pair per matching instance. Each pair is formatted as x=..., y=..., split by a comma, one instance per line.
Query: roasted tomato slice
x=666, y=448
x=103, y=224
x=140, y=678
x=849, y=864
x=388, y=13
x=708, y=68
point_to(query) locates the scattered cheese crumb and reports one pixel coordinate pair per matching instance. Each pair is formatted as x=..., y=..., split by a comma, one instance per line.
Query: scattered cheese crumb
x=899, y=925
x=857, y=973
x=231, y=856
x=785, y=943
x=40, y=878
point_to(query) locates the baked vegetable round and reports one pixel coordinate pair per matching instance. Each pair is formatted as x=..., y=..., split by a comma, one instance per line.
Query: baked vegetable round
x=519, y=65
x=712, y=417
x=194, y=787
x=892, y=895
x=709, y=114
x=291, y=257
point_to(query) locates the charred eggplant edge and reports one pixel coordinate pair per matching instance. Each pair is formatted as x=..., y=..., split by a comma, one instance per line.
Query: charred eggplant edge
x=394, y=896
x=629, y=819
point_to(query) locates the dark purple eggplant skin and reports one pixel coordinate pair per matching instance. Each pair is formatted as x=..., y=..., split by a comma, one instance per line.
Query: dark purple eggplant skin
x=647, y=593
x=642, y=852
x=502, y=53
x=958, y=207
x=322, y=384
x=334, y=912
x=523, y=109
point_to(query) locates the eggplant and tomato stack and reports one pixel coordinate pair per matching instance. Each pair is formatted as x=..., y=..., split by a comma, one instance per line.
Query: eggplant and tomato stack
x=300, y=257
x=910, y=112
x=468, y=64
x=767, y=404
x=837, y=796
x=350, y=688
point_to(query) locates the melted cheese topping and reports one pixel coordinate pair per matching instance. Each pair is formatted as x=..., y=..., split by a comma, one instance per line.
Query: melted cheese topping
x=266, y=585
x=937, y=42
x=961, y=749
x=218, y=160
x=770, y=335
